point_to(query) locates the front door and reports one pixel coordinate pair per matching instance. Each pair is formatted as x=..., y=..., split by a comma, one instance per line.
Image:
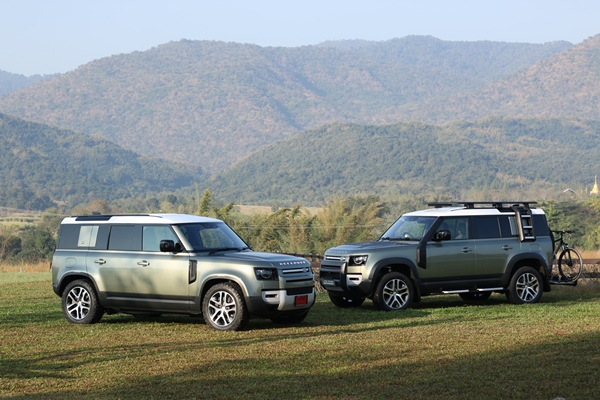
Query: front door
x=451, y=264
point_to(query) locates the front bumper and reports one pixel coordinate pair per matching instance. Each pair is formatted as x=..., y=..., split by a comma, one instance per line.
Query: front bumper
x=282, y=302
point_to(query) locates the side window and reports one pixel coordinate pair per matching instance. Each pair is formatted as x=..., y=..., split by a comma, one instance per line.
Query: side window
x=75, y=236
x=458, y=227
x=507, y=226
x=487, y=227
x=540, y=225
x=152, y=235
x=125, y=237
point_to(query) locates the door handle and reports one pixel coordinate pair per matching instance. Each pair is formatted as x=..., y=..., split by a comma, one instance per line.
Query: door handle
x=506, y=247
x=100, y=261
x=143, y=263
x=466, y=250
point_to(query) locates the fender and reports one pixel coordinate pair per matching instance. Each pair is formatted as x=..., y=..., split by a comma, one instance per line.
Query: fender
x=526, y=256
x=376, y=269
x=58, y=289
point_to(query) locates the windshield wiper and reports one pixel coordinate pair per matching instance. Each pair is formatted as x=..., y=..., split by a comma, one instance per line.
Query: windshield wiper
x=227, y=249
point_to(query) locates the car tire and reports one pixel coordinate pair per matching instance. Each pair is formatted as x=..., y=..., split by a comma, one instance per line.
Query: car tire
x=525, y=286
x=393, y=292
x=80, y=303
x=475, y=296
x=345, y=302
x=290, y=319
x=224, y=308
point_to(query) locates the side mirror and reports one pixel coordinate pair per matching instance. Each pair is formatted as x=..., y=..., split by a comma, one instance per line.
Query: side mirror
x=442, y=235
x=169, y=246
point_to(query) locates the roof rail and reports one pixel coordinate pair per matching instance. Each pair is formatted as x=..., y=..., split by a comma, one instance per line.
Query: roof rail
x=500, y=205
x=106, y=217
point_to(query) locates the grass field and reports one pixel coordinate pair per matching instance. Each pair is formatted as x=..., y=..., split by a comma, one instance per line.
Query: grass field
x=442, y=348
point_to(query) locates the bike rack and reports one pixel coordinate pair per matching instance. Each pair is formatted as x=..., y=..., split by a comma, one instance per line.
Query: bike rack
x=557, y=281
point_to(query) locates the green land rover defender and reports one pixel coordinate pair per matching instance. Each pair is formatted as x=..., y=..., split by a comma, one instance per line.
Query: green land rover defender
x=471, y=249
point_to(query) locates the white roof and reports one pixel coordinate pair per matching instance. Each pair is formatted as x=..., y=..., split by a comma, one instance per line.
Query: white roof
x=166, y=219
x=462, y=211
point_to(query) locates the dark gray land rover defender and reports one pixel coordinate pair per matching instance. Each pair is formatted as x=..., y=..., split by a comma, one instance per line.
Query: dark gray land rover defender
x=471, y=249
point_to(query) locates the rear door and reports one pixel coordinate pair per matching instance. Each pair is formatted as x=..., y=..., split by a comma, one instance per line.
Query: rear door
x=495, y=244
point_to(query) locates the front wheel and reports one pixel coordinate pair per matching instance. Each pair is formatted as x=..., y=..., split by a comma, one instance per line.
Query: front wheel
x=393, y=292
x=80, y=303
x=525, y=286
x=224, y=308
x=345, y=302
x=570, y=265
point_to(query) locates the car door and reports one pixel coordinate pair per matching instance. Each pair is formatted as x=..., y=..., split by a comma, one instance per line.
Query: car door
x=137, y=276
x=496, y=242
x=451, y=264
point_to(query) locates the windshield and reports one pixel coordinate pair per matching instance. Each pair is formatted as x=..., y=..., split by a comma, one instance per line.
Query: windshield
x=408, y=228
x=212, y=236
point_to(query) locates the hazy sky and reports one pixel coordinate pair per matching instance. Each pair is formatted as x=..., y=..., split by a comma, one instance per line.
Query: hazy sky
x=48, y=36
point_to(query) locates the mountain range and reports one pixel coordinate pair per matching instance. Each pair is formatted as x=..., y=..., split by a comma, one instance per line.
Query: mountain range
x=213, y=103
x=288, y=125
x=459, y=160
x=43, y=166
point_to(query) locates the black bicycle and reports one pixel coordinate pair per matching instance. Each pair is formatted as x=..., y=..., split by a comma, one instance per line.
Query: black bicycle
x=570, y=262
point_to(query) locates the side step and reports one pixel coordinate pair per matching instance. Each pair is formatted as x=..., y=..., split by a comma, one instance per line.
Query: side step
x=497, y=289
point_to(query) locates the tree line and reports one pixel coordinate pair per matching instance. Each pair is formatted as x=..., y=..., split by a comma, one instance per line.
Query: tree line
x=294, y=229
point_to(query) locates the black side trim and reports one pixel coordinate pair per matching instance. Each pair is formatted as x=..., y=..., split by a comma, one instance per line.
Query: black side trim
x=193, y=273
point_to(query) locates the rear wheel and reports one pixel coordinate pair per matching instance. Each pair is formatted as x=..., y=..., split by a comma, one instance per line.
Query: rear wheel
x=80, y=303
x=475, y=296
x=525, y=286
x=345, y=302
x=570, y=265
x=393, y=292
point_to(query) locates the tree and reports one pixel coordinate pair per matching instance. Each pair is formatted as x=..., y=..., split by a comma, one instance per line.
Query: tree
x=36, y=245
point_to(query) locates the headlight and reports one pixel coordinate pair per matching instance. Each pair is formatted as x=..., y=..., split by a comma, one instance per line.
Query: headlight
x=266, y=274
x=358, y=260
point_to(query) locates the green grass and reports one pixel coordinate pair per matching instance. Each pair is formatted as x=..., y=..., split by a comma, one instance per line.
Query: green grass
x=442, y=348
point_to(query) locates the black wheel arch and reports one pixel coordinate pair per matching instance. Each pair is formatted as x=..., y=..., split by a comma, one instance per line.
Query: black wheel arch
x=396, y=264
x=70, y=277
x=534, y=260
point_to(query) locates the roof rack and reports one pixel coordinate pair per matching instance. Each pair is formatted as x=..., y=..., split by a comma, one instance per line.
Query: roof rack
x=500, y=205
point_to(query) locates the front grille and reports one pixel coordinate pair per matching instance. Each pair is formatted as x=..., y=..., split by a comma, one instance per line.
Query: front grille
x=300, y=270
x=335, y=258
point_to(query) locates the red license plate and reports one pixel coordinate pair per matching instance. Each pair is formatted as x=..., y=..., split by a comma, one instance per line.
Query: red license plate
x=301, y=300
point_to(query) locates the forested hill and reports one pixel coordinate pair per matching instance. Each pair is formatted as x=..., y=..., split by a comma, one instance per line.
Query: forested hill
x=42, y=165
x=211, y=103
x=566, y=84
x=13, y=82
x=460, y=160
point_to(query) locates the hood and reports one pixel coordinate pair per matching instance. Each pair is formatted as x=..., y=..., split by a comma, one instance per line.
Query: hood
x=278, y=260
x=369, y=246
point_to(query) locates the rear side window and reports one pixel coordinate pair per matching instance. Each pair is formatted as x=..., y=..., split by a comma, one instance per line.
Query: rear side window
x=75, y=236
x=487, y=227
x=125, y=237
x=540, y=225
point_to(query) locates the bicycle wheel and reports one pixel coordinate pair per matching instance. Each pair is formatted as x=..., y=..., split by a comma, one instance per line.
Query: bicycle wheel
x=570, y=265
